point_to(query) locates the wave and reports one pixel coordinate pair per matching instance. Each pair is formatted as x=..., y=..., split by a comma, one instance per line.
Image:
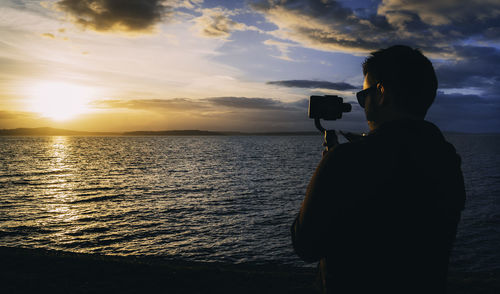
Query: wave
x=35, y=173
x=191, y=190
x=96, y=199
x=23, y=231
x=89, y=189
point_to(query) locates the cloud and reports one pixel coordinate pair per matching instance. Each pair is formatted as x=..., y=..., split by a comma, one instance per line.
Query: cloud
x=475, y=67
x=314, y=84
x=13, y=115
x=248, y=103
x=283, y=47
x=176, y=104
x=48, y=35
x=189, y=4
x=328, y=25
x=131, y=16
x=440, y=13
x=266, y=114
x=235, y=113
x=217, y=23
x=323, y=25
x=222, y=113
x=14, y=119
x=205, y=104
x=458, y=35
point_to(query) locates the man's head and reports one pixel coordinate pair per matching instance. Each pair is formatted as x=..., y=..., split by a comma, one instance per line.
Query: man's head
x=401, y=82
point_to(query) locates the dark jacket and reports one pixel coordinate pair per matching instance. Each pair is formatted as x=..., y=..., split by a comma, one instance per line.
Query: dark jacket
x=380, y=214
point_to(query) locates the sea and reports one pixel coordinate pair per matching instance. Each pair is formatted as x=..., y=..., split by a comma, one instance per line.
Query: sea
x=199, y=198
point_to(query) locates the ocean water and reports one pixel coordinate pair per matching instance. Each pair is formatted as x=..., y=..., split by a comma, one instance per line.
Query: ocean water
x=229, y=199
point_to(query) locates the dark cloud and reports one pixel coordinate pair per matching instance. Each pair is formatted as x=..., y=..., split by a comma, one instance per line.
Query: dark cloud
x=314, y=84
x=212, y=103
x=466, y=17
x=439, y=28
x=265, y=114
x=176, y=104
x=248, y=103
x=327, y=25
x=431, y=26
x=271, y=114
x=301, y=104
x=115, y=15
x=239, y=113
x=451, y=112
x=475, y=67
x=462, y=100
x=456, y=34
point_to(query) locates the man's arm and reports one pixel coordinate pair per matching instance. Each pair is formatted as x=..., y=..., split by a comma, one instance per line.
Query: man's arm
x=310, y=230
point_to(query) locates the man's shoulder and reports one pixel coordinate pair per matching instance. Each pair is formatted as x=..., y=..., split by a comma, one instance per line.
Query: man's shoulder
x=341, y=149
x=362, y=152
x=360, y=144
x=348, y=151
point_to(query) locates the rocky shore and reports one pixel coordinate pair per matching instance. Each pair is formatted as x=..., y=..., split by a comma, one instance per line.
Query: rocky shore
x=47, y=271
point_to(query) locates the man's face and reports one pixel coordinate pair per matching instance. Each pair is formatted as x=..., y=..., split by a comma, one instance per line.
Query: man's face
x=372, y=109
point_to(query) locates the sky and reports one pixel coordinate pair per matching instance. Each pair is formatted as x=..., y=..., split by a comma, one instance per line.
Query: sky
x=125, y=65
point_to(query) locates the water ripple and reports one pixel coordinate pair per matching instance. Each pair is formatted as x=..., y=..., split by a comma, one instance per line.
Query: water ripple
x=200, y=198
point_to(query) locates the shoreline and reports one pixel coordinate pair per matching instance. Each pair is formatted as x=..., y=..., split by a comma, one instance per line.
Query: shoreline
x=42, y=271
x=49, y=271
x=45, y=131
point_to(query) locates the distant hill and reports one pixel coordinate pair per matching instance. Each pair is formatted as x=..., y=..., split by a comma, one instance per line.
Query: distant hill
x=173, y=133
x=283, y=133
x=50, y=132
x=62, y=132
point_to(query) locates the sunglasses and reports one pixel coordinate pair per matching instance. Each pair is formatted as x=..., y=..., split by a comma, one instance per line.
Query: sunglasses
x=361, y=95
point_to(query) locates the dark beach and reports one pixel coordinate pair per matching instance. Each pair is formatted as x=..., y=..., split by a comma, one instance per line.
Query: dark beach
x=48, y=271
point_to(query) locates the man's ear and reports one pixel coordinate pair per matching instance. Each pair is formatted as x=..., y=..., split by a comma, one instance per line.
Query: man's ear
x=383, y=98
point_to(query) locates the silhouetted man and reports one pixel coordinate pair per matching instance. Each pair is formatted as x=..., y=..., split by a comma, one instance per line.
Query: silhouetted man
x=380, y=213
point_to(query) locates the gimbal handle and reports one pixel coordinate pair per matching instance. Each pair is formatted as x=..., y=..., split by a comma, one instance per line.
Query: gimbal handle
x=330, y=136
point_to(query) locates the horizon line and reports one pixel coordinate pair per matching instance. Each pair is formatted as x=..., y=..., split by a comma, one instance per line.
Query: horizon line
x=50, y=131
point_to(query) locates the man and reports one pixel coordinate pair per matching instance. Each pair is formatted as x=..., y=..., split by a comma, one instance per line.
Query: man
x=380, y=213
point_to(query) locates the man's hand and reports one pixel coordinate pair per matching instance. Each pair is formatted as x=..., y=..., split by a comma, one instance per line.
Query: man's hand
x=331, y=140
x=351, y=137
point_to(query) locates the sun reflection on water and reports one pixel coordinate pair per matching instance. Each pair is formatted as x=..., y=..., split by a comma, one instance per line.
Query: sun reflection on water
x=59, y=146
x=61, y=184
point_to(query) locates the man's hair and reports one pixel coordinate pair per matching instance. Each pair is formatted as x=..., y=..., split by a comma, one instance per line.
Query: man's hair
x=407, y=73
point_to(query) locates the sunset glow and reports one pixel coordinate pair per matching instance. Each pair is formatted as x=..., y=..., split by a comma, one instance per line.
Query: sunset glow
x=59, y=101
x=232, y=65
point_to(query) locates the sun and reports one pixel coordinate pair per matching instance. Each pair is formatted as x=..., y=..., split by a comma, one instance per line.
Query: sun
x=59, y=100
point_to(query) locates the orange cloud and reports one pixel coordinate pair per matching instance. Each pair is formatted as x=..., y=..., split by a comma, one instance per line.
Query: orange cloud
x=48, y=35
